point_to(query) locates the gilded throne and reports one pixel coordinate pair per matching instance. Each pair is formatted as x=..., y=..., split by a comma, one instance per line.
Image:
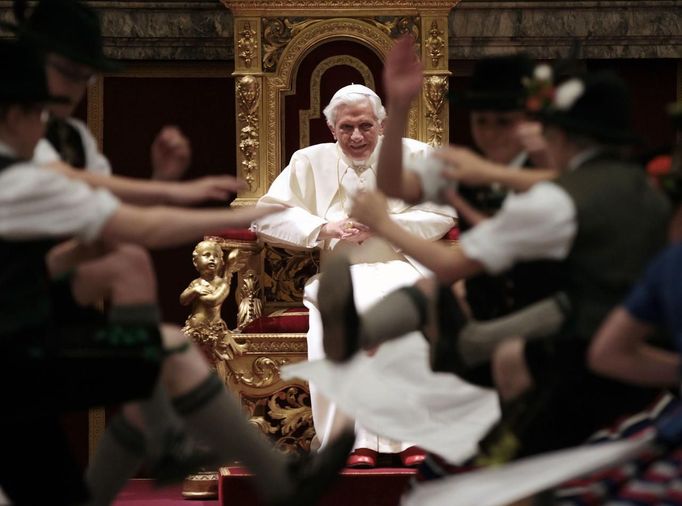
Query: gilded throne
x=288, y=64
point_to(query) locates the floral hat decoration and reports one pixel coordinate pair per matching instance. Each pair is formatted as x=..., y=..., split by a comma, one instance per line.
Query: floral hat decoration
x=595, y=105
x=666, y=170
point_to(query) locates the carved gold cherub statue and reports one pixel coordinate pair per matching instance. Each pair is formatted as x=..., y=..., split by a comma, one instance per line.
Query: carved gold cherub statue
x=206, y=294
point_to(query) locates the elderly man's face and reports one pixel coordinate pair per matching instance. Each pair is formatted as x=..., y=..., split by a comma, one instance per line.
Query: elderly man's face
x=357, y=130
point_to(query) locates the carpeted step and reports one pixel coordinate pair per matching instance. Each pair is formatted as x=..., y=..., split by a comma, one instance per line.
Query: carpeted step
x=356, y=487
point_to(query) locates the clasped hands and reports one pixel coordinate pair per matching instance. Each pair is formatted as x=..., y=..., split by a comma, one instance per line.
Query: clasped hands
x=350, y=229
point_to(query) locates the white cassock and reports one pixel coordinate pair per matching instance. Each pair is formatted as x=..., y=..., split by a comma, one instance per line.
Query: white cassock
x=317, y=187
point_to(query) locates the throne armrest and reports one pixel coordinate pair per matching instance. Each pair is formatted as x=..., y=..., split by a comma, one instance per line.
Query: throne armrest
x=236, y=234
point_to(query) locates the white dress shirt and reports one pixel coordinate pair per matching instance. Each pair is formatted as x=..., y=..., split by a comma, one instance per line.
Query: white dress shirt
x=37, y=203
x=95, y=161
x=538, y=224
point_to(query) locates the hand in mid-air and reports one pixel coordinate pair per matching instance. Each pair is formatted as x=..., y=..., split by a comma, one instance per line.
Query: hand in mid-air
x=171, y=154
x=534, y=143
x=371, y=208
x=403, y=73
x=206, y=189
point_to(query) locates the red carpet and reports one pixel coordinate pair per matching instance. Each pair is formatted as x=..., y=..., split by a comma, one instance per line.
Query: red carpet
x=143, y=493
x=361, y=487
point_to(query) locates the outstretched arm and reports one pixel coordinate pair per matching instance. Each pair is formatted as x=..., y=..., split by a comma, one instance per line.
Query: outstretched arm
x=448, y=264
x=620, y=351
x=162, y=227
x=402, y=80
x=145, y=192
x=471, y=169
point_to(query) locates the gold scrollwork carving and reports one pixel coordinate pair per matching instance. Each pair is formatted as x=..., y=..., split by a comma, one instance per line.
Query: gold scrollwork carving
x=248, y=92
x=435, y=43
x=277, y=32
x=397, y=26
x=314, y=111
x=247, y=45
x=286, y=272
x=250, y=305
x=286, y=417
x=435, y=88
x=216, y=339
x=264, y=372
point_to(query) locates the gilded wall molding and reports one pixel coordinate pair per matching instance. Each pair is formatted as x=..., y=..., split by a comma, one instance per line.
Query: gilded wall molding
x=435, y=94
x=248, y=94
x=335, y=7
x=247, y=45
x=435, y=44
x=305, y=116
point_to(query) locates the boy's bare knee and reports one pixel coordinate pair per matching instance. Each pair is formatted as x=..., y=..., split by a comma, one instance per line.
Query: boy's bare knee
x=184, y=370
x=131, y=259
x=510, y=372
x=173, y=336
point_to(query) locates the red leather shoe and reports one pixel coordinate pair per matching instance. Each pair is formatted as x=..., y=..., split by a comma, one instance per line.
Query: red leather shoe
x=412, y=456
x=362, y=458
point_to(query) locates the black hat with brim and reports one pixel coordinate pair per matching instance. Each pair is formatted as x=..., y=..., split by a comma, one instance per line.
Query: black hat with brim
x=601, y=112
x=497, y=84
x=23, y=80
x=69, y=28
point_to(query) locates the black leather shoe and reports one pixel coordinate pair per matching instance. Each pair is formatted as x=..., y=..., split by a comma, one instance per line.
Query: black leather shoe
x=315, y=473
x=340, y=321
x=181, y=457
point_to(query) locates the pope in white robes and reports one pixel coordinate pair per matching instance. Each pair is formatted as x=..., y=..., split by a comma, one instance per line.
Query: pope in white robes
x=317, y=187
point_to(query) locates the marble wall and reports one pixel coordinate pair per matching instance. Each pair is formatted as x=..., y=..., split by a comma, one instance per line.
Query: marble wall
x=202, y=29
x=547, y=29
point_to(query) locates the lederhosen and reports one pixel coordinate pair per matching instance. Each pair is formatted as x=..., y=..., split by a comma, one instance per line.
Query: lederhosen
x=621, y=224
x=525, y=283
x=56, y=356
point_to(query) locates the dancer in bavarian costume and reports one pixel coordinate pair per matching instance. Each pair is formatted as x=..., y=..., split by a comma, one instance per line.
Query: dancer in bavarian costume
x=575, y=219
x=54, y=362
x=68, y=33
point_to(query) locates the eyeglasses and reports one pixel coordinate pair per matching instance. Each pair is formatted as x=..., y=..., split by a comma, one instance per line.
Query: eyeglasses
x=71, y=73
